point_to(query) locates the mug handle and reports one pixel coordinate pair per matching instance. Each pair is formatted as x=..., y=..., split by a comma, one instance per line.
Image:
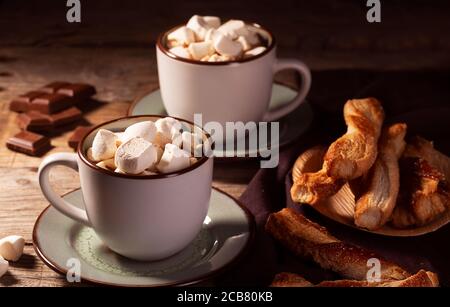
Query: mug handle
x=63, y=206
x=303, y=70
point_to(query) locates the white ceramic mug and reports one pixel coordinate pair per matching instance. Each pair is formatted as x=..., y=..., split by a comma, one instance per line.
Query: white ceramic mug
x=140, y=217
x=226, y=91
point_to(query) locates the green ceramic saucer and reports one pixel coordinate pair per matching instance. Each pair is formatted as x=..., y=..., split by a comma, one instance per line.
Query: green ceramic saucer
x=291, y=126
x=227, y=232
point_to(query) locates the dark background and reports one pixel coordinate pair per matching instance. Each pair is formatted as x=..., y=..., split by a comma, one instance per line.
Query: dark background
x=325, y=33
x=113, y=46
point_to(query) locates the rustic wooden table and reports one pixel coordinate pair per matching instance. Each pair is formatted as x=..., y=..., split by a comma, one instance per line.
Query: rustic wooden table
x=120, y=61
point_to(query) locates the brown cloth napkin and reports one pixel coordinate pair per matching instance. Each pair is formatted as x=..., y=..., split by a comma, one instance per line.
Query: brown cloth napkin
x=422, y=100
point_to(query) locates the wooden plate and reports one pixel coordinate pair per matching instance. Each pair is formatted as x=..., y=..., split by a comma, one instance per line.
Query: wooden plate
x=341, y=206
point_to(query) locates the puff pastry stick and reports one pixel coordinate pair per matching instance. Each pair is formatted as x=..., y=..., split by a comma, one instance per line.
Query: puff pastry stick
x=310, y=188
x=348, y=157
x=380, y=188
x=310, y=240
x=420, y=279
x=424, y=194
x=286, y=279
x=421, y=148
x=353, y=154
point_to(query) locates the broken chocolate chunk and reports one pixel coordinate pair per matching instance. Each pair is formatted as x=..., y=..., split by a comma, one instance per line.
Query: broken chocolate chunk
x=50, y=103
x=22, y=103
x=78, y=135
x=29, y=143
x=52, y=87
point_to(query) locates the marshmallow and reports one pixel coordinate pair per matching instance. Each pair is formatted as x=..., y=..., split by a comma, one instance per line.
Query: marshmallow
x=233, y=28
x=219, y=58
x=205, y=58
x=212, y=21
x=210, y=34
x=244, y=42
x=145, y=130
x=135, y=155
x=3, y=266
x=159, y=153
x=172, y=44
x=104, y=145
x=252, y=36
x=182, y=36
x=200, y=50
x=199, y=26
x=177, y=139
x=224, y=45
x=167, y=127
x=119, y=138
x=180, y=51
x=254, y=51
x=107, y=164
x=119, y=171
x=205, y=148
x=173, y=159
x=147, y=173
x=11, y=247
x=89, y=154
x=190, y=141
x=161, y=140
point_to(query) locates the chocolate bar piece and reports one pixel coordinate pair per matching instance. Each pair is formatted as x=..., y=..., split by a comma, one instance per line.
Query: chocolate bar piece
x=78, y=91
x=67, y=116
x=22, y=103
x=29, y=143
x=78, y=135
x=51, y=88
x=50, y=103
x=34, y=121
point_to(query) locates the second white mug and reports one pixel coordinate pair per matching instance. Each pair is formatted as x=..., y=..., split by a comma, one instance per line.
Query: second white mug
x=232, y=91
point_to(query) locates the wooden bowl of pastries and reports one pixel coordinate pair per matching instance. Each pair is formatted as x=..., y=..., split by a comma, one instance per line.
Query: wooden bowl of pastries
x=372, y=179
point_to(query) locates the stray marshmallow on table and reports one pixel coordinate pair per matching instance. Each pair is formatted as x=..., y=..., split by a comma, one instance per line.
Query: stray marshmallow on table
x=11, y=247
x=146, y=148
x=205, y=39
x=4, y=265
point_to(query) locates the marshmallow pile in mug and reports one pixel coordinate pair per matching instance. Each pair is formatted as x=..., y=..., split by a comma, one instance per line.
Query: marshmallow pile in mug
x=147, y=148
x=205, y=39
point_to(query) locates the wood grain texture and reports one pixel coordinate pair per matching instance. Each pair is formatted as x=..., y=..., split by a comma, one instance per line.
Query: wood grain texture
x=113, y=49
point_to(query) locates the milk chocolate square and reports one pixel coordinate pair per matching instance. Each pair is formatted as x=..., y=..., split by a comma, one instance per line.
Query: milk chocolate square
x=29, y=143
x=34, y=121
x=67, y=116
x=78, y=135
x=22, y=103
x=78, y=91
x=53, y=87
x=50, y=103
